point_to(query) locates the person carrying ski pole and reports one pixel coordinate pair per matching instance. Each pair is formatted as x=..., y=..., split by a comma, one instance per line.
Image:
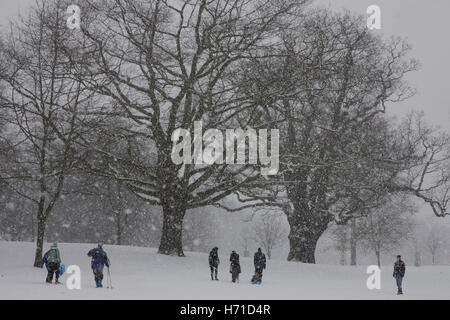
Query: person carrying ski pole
x=214, y=263
x=52, y=261
x=99, y=261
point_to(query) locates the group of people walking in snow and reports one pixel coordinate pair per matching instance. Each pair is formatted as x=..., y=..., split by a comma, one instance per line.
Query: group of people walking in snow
x=52, y=261
x=259, y=261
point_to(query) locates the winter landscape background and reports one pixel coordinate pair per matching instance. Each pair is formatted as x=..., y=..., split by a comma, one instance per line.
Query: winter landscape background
x=375, y=206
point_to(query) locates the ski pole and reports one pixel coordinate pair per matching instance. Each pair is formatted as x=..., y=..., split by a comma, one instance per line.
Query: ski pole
x=109, y=278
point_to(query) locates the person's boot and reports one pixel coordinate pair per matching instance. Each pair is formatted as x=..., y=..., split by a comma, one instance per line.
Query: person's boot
x=57, y=281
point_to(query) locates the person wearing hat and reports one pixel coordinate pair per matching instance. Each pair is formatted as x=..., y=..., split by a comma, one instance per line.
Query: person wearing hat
x=399, y=273
x=99, y=261
x=214, y=263
x=52, y=261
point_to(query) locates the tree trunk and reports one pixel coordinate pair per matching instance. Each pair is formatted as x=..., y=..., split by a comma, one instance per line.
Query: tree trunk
x=39, y=240
x=417, y=258
x=302, y=251
x=353, y=243
x=377, y=253
x=33, y=233
x=343, y=258
x=118, y=229
x=172, y=232
x=305, y=232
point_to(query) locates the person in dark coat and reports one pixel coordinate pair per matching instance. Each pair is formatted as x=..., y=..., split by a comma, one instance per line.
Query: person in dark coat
x=235, y=266
x=214, y=263
x=99, y=261
x=259, y=261
x=399, y=273
x=52, y=261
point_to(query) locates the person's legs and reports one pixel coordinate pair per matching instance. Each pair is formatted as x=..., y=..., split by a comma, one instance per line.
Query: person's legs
x=98, y=276
x=57, y=273
x=49, y=273
x=215, y=271
x=95, y=276
x=399, y=279
x=212, y=272
x=51, y=268
x=235, y=276
x=258, y=271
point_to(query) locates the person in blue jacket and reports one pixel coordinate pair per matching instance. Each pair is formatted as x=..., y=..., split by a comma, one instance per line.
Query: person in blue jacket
x=99, y=261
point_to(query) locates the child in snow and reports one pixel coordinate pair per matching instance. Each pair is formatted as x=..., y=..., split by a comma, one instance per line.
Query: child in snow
x=235, y=267
x=214, y=263
x=399, y=273
x=52, y=261
x=256, y=279
x=99, y=260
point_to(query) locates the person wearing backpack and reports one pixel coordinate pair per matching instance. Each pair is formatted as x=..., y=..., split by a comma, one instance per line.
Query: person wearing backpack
x=99, y=261
x=52, y=261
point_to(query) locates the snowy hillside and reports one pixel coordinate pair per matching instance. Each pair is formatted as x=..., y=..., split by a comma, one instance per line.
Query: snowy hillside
x=140, y=273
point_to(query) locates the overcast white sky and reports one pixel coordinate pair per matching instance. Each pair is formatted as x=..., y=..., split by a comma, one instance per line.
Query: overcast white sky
x=426, y=25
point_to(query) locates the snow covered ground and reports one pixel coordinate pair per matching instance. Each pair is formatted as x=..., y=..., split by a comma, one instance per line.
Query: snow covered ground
x=140, y=273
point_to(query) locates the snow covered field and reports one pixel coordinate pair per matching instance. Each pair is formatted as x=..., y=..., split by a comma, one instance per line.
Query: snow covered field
x=140, y=273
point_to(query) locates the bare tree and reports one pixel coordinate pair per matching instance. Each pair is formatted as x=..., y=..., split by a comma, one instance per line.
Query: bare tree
x=385, y=228
x=354, y=237
x=428, y=173
x=341, y=237
x=246, y=240
x=415, y=241
x=338, y=153
x=269, y=232
x=43, y=99
x=118, y=205
x=435, y=239
x=167, y=65
x=346, y=237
